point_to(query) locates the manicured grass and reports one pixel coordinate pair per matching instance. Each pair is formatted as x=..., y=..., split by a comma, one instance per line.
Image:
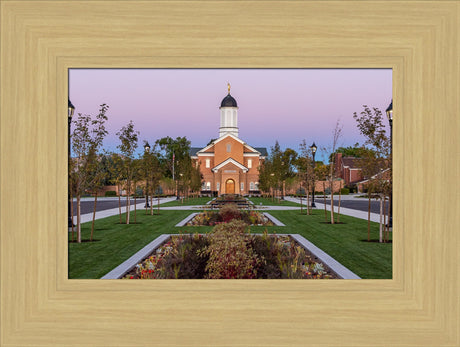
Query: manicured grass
x=270, y=202
x=347, y=242
x=188, y=202
x=117, y=242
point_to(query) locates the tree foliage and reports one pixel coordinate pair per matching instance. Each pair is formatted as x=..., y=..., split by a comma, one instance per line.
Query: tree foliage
x=128, y=145
x=87, y=138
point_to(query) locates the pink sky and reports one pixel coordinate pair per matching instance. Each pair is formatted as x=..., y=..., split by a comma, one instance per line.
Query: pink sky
x=287, y=105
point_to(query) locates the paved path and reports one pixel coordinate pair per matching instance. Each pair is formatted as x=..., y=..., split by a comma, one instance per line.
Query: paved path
x=375, y=217
x=103, y=203
x=353, y=202
x=87, y=217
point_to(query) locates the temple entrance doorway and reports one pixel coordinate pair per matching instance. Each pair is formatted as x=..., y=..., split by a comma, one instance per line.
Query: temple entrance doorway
x=230, y=186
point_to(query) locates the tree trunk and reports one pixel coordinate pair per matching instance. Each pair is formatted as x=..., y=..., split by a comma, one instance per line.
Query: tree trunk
x=332, y=202
x=151, y=204
x=119, y=203
x=384, y=219
x=369, y=219
x=158, y=204
x=135, y=208
x=127, y=207
x=324, y=196
x=338, y=210
x=307, y=191
x=78, y=219
x=381, y=216
x=94, y=216
x=301, y=207
x=71, y=216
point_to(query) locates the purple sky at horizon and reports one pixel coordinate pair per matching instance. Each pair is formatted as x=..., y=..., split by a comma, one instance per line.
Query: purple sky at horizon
x=287, y=105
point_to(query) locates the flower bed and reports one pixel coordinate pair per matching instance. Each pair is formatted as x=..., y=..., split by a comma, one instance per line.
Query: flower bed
x=228, y=213
x=230, y=252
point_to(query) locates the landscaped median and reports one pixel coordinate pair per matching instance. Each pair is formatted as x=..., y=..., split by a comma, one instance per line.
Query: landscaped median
x=115, y=242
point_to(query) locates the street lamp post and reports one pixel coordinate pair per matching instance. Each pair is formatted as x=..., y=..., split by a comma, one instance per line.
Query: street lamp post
x=284, y=182
x=146, y=151
x=71, y=109
x=177, y=185
x=389, y=112
x=313, y=150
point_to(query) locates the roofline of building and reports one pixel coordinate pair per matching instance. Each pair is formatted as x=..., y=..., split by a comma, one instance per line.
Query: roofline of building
x=229, y=160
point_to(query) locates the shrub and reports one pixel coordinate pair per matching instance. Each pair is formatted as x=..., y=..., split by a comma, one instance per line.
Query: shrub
x=181, y=258
x=229, y=212
x=230, y=256
x=110, y=193
x=344, y=191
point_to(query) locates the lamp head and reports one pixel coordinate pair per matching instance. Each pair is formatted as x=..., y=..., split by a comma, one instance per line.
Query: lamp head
x=389, y=111
x=71, y=109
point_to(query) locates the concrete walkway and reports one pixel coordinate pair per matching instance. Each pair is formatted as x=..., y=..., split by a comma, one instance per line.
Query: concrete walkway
x=88, y=217
x=345, y=211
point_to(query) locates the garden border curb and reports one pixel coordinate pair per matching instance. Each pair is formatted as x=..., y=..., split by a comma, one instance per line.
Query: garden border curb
x=325, y=258
x=186, y=219
x=131, y=262
x=274, y=220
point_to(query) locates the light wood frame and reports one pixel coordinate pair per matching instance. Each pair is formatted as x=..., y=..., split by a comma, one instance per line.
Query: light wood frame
x=40, y=40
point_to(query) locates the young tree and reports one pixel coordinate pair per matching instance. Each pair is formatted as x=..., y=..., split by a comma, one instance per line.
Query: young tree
x=128, y=144
x=72, y=190
x=87, y=138
x=306, y=170
x=152, y=173
x=115, y=168
x=175, y=157
x=95, y=182
x=377, y=160
x=336, y=134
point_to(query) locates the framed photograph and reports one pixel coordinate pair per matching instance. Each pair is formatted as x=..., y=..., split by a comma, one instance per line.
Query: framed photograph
x=182, y=151
x=43, y=40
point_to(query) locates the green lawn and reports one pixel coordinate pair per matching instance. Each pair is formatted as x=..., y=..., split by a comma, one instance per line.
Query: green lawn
x=117, y=242
x=189, y=202
x=270, y=202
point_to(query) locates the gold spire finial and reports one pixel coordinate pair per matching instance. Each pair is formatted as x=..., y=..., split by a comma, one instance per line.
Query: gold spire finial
x=228, y=85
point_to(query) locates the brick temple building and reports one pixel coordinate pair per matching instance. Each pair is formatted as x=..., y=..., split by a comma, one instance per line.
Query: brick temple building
x=228, y=164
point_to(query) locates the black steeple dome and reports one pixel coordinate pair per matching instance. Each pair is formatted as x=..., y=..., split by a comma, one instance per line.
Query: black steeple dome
x=228, y=101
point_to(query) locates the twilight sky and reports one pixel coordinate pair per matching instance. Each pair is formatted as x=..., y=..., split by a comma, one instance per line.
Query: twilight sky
x=287, y=105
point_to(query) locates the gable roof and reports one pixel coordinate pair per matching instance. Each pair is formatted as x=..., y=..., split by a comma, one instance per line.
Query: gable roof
x=220, y=139
x=194, y=150
x=262, y=150
x=352, y=162
x=230, y=160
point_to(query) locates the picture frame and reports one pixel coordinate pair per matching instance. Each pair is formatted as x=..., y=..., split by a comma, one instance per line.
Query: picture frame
x=41, y=40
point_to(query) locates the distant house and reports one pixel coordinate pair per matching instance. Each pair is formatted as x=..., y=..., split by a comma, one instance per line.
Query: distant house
x=349, y=169
x=228, y=164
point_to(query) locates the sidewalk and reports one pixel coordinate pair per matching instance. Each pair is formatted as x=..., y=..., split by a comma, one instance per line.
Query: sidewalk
x=345, y=211
x=88, y=217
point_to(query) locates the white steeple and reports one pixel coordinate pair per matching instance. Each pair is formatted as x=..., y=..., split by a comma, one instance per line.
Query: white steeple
x=228, y=115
